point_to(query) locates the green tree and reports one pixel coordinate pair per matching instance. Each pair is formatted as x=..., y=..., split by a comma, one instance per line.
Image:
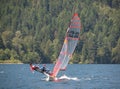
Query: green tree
x=17, y=42
x=6, y=37
x=31, y=57
x=116, y=53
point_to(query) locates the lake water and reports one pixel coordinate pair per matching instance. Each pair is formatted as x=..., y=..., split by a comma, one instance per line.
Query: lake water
x=79, y=76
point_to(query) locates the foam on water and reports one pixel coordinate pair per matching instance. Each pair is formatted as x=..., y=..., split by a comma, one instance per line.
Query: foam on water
x=64, y=77
x=61, y=78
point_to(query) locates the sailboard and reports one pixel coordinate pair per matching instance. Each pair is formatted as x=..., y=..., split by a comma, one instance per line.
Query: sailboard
x=69, y=45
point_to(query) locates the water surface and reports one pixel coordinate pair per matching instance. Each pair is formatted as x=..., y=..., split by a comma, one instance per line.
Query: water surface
x=80, y=76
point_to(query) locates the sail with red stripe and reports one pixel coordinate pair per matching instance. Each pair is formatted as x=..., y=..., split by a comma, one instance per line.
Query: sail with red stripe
x=70, y=42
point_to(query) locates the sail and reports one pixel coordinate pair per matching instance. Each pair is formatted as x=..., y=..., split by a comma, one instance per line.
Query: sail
x=70, y=42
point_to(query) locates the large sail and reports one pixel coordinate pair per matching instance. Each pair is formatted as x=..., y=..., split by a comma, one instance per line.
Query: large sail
x=70, y=42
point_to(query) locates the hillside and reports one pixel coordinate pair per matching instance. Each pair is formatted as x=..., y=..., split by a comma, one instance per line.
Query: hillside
x=34, y=30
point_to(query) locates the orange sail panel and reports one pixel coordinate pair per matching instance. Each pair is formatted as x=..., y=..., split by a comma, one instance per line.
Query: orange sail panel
x=70, y=42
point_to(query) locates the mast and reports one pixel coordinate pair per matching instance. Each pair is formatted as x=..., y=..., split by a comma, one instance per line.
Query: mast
x=70, y=42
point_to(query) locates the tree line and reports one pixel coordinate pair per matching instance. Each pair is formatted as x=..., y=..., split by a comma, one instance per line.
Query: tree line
x=34, y=30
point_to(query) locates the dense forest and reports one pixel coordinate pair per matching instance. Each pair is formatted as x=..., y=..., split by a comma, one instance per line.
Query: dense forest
x=34, y=30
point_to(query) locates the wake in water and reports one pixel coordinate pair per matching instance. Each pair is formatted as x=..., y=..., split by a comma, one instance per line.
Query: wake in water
x=62, y=78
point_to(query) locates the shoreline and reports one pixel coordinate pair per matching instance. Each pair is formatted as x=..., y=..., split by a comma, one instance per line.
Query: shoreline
x=10, y=62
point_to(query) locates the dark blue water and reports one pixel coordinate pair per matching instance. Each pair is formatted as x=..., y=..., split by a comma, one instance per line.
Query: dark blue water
x=89, y=76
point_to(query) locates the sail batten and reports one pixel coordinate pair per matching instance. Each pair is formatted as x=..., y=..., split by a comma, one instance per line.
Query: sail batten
x=70, y=42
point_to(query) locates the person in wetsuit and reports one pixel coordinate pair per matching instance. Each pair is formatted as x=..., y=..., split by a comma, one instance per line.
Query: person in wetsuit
x=41, y=70
x=32, y=67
